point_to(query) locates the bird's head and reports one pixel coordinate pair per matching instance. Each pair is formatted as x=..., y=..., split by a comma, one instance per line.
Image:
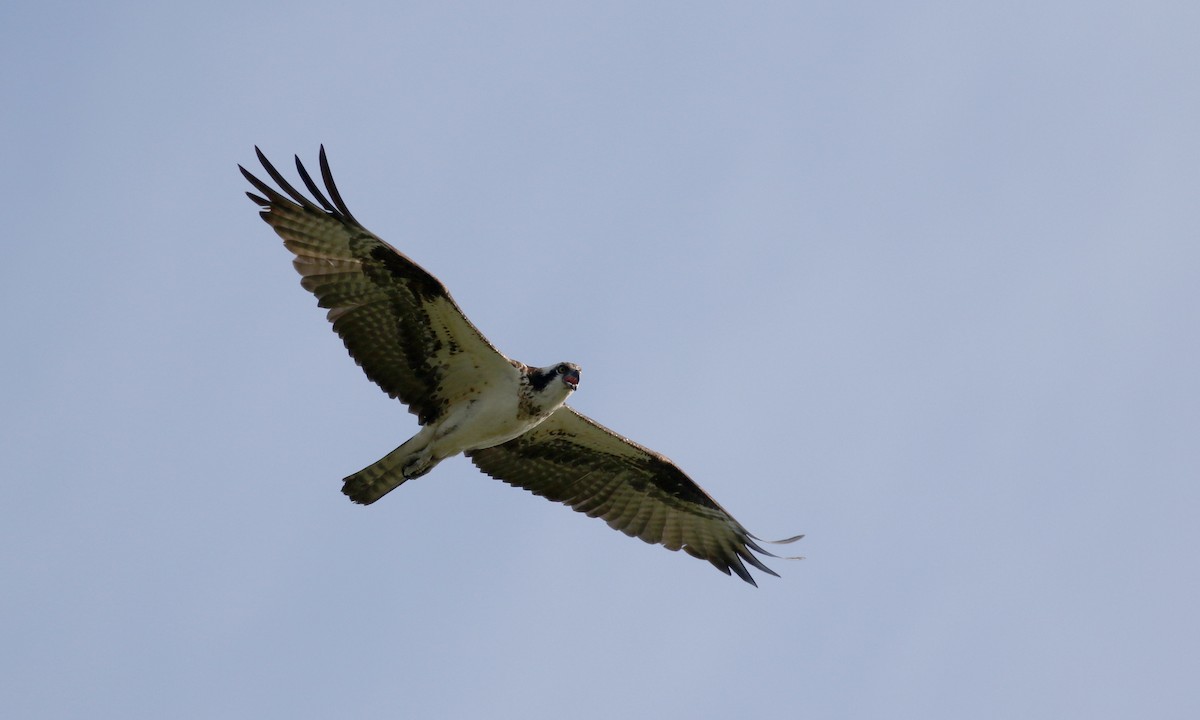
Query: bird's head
x=563, y=377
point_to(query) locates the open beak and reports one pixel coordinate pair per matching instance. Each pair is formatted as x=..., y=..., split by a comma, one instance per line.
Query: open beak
x=571, y=379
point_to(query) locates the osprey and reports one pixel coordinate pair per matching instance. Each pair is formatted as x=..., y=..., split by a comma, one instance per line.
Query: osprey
x=409, y=336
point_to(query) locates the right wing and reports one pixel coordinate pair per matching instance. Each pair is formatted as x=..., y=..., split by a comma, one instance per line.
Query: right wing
x=398, y=321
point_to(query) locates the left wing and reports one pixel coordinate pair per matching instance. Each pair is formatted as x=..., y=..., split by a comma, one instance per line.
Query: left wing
x=574, y=460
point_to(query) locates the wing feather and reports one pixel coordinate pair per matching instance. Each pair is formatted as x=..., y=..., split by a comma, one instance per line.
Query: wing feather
x=572, y=459
x=398, y=322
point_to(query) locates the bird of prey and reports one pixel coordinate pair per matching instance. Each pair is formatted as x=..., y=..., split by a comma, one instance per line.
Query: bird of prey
x=410, y=337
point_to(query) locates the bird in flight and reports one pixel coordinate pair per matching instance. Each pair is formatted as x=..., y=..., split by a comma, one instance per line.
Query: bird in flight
x=411, y=339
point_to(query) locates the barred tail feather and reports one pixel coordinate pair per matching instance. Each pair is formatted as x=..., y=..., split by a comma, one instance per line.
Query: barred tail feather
x=410, y=460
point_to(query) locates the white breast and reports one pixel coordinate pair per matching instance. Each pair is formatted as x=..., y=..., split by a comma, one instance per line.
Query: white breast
x=490, y=417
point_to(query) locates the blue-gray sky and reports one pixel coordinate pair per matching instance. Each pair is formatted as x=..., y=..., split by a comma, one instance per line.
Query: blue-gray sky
x=920, y=280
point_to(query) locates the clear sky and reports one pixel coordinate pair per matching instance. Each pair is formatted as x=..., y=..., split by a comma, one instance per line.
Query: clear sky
x=921, y=280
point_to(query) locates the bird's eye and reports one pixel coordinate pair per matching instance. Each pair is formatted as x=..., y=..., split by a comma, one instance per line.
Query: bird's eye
x=562, y=369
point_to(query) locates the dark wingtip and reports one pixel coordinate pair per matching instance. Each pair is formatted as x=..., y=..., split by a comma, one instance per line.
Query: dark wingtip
x=744, y=574
x=313, y=188
x=784, y=541
x=331, y=186
x=258, y=200
x=750, y=543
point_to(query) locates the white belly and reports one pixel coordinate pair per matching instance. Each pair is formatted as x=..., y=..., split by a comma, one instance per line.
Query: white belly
x=491, y=418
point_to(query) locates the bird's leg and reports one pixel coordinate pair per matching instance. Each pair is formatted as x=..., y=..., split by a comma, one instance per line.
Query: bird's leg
x=418, y=464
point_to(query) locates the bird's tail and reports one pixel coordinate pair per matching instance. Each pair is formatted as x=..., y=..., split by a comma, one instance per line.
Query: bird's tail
x=411, y=460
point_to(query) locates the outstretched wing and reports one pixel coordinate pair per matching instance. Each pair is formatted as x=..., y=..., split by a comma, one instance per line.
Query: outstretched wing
x=398, y=321
x=574, y=460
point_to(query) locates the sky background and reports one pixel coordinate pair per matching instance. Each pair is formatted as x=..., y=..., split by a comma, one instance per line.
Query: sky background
x=920, y=280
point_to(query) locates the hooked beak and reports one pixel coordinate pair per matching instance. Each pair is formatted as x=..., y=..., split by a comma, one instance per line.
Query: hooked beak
x=571, y=378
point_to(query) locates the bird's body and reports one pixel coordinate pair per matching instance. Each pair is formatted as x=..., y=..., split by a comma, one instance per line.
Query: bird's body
x=410, y=337
x=495, y=411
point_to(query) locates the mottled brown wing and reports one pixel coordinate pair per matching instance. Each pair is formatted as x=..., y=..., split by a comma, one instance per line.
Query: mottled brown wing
x=398, y=321
x=574, y=460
